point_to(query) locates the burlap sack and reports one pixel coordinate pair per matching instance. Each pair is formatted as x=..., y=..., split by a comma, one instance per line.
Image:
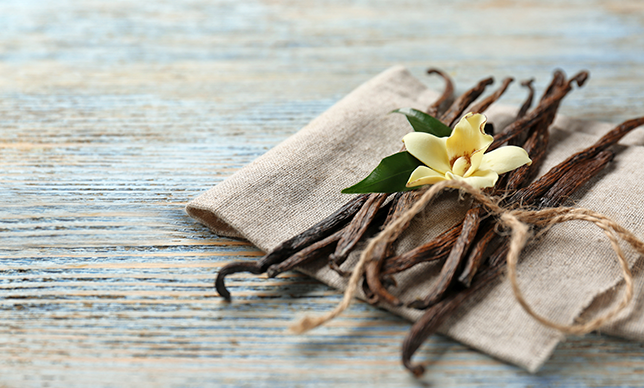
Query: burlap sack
x=298, y=182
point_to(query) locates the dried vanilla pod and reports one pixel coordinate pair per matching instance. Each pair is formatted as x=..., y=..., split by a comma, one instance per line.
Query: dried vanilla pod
x=355, y=230
x=438, y=107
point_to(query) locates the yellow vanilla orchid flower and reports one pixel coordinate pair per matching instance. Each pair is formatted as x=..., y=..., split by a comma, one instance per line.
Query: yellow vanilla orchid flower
x=461, y=156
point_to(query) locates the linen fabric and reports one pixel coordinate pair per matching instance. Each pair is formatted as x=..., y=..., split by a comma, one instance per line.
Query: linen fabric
x=569, y=273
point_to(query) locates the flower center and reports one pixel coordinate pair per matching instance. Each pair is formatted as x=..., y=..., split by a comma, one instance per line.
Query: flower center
x=460, y=165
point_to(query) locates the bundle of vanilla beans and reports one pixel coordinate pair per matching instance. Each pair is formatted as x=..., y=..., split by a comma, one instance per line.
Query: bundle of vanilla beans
x=472, y=251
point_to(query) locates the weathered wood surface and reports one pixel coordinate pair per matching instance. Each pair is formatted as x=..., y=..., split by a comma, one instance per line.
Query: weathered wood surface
x=113, y=114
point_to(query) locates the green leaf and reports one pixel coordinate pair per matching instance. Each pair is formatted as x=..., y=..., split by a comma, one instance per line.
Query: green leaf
x=390, y=176
x=422, y=122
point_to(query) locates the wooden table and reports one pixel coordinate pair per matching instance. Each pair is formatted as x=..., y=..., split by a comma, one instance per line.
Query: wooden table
x=114, y=114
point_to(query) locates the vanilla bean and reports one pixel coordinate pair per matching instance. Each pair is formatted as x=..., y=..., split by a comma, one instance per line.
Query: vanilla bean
x=527, y=127
x=231, y=268
x=569, y=183
x=483, y=105
x=528, y=102
x=356, y=229
x=536, y=147
x=458, y=106
x=454, y=260
x=373, y=283
x=533, y=137
x=436, y=315
x=394, y=207
x=400, y=205
x=558, y=80
x=447, y=95
x=475, y=258
x=537, y=143
x=312, y=252
x=368, y=289
x=520, y=139
x=287, y=248
x=369, y=296
x=436, y=249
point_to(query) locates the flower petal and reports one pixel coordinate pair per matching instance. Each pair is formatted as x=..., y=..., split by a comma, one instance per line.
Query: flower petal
x=468, y=137
x=505, y=159
x=429, y=149
x=424, y=176
x=479, y=179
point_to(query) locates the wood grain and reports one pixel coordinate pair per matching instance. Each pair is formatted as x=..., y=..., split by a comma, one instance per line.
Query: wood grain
x=114, y=114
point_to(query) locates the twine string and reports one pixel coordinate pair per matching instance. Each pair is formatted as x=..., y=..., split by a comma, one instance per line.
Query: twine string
x=517, y=221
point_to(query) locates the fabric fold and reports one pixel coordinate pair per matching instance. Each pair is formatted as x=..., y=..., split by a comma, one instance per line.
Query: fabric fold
x=567, y=272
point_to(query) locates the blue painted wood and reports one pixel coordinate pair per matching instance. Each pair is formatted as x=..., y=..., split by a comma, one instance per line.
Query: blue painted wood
x=114, y=114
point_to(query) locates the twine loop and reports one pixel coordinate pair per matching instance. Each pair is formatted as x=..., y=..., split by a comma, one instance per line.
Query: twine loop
x=517, y=221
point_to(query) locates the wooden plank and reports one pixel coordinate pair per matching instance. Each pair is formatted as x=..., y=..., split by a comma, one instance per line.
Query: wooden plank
x=114, y=114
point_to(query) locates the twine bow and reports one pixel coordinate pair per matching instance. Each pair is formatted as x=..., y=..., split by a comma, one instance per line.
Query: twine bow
x=517, y=221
